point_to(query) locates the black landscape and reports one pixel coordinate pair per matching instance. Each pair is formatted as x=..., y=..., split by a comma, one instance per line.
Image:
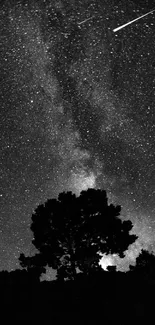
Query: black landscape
x=75, y=228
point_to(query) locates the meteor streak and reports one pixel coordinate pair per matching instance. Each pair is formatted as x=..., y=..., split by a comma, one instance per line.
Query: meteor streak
x=132, y=21
x=84, y=21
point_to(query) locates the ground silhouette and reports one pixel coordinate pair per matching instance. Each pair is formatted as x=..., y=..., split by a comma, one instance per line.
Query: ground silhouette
x=93, y=296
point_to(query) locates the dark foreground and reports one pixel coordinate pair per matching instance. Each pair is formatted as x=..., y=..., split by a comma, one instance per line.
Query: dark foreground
x=105, y=298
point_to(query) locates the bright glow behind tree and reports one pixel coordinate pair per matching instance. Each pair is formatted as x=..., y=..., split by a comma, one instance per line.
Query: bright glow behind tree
x=82, y=181
x=105, y=261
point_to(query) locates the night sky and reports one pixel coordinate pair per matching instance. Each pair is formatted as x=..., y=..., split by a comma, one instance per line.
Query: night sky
x=76, y=111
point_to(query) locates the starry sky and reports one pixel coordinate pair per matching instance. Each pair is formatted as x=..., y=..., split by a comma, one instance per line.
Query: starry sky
x=76, y=111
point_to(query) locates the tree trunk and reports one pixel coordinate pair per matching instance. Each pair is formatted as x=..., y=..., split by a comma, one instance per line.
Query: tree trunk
x=73, y=264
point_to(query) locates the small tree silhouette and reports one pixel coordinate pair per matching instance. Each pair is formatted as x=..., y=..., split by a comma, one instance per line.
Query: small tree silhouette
x=145, y=265
x=34, y=265
x=70, y=231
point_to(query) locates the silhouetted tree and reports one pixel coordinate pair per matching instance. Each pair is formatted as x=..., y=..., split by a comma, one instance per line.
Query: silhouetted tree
x=70, y=231
x=111, y=268
x=33, y=265
x=145, y=264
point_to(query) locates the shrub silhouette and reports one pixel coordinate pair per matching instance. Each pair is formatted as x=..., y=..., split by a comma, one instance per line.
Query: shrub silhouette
x=145, y=265
x=70, y=231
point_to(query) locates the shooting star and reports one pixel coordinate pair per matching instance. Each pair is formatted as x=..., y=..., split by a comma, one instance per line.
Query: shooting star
x=84, y=21
x=132, y=21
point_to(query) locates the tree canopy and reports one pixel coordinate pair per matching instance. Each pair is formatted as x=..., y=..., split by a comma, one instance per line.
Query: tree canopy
x=70, y=231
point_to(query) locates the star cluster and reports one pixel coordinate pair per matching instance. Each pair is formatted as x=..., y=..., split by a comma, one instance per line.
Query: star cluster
x=77, y=111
